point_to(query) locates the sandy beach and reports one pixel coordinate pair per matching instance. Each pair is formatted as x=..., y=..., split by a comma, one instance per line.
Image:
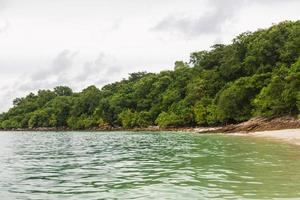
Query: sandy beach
x=288, y=135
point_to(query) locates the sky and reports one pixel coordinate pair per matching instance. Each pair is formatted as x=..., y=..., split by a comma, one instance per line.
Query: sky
x=78, y=43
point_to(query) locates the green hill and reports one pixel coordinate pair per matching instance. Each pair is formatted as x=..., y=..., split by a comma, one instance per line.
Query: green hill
x=258, y=74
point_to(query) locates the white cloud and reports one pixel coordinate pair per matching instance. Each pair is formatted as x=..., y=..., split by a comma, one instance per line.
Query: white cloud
x=59, y=66
x=209, y=22
x=64, y=69
x=219, y=16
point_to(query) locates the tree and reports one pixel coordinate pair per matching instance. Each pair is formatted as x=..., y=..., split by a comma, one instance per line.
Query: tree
x=63, y=91
x=17, y=101
x=82, y=122
x=280, y=95
x=202, y=112
x=183, y=111
x=234, y=101
x=127, y=118
x=44, y=96
x=61, y=107
x=41, y=118
x=86, y=101
x=169, y=119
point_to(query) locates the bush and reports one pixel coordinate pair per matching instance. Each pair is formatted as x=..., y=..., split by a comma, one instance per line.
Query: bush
x=41, y=118
x=127, y=118
x=169, y=119
x=82, y=122
x=10, y=124
x=279, y=97
x=205, y=112
x=234, y=102
x=131, y=119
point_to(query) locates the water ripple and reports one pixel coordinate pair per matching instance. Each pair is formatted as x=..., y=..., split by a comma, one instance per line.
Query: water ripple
x=119, y=165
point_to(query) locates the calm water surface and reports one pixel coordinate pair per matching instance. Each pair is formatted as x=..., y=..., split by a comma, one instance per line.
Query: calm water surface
x=118, y=165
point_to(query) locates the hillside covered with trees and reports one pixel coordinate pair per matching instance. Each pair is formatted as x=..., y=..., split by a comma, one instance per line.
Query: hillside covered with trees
x=258, y=74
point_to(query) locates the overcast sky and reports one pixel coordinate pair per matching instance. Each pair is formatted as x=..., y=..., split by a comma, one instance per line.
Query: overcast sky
x=45, y=43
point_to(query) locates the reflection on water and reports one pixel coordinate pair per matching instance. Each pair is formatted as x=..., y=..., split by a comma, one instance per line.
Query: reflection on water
x=119, y=165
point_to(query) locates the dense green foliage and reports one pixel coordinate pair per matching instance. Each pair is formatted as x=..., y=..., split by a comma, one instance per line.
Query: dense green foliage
x=258, y=74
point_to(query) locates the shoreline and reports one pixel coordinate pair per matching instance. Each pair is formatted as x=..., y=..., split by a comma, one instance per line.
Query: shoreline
x=286, y=129
x=258, y=124
x=291, y=136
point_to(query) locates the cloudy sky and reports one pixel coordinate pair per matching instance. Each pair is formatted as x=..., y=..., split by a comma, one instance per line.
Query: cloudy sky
x=45, y=43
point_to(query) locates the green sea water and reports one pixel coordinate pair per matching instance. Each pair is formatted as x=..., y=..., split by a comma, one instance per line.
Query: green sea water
x=128, y=165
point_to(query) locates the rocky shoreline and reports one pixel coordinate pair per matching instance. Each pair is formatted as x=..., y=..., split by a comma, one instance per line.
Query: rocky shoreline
x=253, y=125
x=263, y=124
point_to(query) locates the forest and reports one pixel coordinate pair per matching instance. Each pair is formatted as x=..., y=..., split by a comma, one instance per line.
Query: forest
x=257, y=74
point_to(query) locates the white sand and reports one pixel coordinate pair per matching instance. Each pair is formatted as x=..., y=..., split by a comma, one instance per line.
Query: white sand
x=287, y=135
